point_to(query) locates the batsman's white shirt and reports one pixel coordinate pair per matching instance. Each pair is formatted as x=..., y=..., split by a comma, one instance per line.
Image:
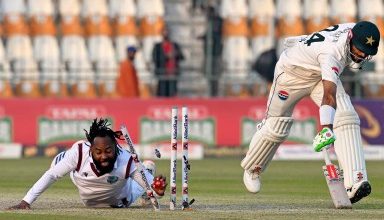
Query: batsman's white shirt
x=322, y=54
x=95, y=190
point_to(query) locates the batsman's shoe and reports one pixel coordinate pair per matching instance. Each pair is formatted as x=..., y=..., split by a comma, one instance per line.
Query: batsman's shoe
x=358, y=191
x=252, y=181
x=323, y=139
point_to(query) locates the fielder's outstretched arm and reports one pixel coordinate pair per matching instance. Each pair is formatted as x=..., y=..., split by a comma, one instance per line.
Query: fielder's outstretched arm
x=158, y=188
x=66, y=165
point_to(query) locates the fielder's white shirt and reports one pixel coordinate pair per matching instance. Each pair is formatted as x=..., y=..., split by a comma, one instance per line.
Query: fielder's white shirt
x=323, y=53
x=94, y=190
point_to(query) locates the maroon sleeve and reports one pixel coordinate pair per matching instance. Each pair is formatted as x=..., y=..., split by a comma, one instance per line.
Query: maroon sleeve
x=80, y=157
x=128, y=167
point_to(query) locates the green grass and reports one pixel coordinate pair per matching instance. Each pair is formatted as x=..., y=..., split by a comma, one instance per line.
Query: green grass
x=290, y=190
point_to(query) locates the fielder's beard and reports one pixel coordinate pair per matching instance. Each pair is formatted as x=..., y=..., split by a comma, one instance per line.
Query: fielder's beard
x=105, y=169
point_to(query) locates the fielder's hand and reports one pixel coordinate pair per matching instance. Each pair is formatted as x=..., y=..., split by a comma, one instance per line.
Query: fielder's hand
x=22, y=205
x=159, y=185
x=323, y=139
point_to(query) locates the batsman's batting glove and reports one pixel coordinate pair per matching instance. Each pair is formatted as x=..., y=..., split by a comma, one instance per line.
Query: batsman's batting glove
x=323, y=139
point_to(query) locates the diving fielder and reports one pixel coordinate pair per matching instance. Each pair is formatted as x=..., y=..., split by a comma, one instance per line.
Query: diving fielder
x=104, y=173
x=311, y=66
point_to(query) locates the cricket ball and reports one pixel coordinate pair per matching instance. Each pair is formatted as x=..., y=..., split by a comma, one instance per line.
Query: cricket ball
x=159, y=183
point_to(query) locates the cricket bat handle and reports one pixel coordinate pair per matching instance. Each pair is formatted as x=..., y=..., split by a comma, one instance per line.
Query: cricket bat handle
x=326, y=156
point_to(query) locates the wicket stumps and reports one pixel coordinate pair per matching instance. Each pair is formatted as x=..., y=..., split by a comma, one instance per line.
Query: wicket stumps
x=185, y=163
x=172, y=203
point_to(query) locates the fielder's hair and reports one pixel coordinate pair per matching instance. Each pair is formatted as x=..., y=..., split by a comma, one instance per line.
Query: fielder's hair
x=100, y=128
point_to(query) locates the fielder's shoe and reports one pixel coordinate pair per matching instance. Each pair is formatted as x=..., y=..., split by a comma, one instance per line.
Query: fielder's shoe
x=358, y=191
x=252, y=181
x=150, y=166
x=144, y=200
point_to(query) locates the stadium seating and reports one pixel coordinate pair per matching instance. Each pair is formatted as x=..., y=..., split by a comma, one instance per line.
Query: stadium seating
x=81, y=79
x=5, y=85
x=69, y=11
x=236, y=52
x=95, y=16
x=40, y=13
x=122, y=13
x=373, y=85
x=5, y=75
x=262, y=34
x=151, y=24
x=374, y=12
x=22, y=64
x=26, y=78
x=102, y=56
x=19, y=47
x=289, y=20
x=45, y=47
x=342, y=11
x=234, y=13
x=79, y=73
x=315, y=15
x=14, y=22
x=47, y=55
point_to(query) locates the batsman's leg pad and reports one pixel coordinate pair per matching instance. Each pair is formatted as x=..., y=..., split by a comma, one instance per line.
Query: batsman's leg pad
x=265, y=142
x=348, y=144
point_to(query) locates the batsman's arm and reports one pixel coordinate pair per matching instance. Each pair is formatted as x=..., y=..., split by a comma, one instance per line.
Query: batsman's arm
x=66, y=165
x=331, y=68
x=327, y=114
x=328, y=105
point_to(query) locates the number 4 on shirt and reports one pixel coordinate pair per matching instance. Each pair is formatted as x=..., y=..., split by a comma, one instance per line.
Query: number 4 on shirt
x=316, y=37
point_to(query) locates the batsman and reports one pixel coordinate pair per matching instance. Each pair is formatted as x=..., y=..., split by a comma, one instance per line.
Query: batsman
x=310, y=65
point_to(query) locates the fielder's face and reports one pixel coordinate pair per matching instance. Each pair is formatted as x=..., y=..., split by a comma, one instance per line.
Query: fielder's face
x=103, y=153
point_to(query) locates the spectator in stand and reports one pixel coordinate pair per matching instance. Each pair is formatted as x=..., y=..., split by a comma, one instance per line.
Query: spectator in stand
x=214, y=42
x=127, y=83
x=166, y=56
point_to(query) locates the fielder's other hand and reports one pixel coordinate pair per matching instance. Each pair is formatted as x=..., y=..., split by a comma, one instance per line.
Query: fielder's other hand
x=159, y=184
x=323, y=139
x=22, y=205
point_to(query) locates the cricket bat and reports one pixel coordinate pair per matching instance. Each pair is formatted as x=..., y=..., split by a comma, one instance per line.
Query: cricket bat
x=140, y=168
x=335, y=184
